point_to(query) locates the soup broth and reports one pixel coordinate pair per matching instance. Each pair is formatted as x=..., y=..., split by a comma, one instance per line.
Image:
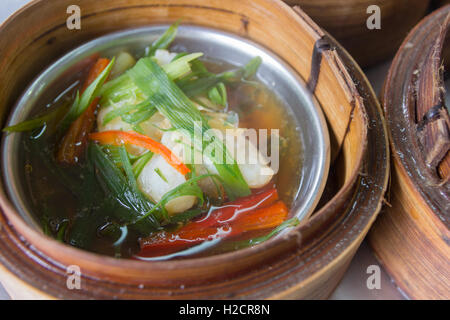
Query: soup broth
x=72, y=204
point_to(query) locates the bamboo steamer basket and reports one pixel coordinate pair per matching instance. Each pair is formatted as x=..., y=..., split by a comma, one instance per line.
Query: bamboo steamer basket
x=440, y=3
x=346, y=20
x=412, y=237
x=309, y=262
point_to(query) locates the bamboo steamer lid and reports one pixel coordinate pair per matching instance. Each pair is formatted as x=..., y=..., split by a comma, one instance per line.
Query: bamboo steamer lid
x=310, y=261
x=412, y=237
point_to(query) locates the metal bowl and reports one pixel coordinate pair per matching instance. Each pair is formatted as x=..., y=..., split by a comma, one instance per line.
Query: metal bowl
x=274, y=73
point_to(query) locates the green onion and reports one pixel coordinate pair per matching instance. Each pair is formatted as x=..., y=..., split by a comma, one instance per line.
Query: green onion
x=251, y=242
x=139, y=116
x=92, y=91
x=140, y=163
x=198, y=67
x=161, y=175
x=128, y=169
x=203, y=84
x=182, y=113
x=138, y=129
x=180, y=67
x=138, y=208
x=123, y=88
x=164, y=41
x=62, y=230
x=188, y=188
x=180, y=55
x=185, y=216
x=250, y=69
x=218, y=94
x=113, y=154
x=36, y=122
x=123, y=110
x=286, y=224
x=118, y=89
x=46, y=226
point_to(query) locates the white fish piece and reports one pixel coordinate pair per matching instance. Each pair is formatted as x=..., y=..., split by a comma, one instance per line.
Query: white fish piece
x=157, y=178
x=151, y=127
x=124, y=61
x=164, y=57
x=116, y=124
x=177, y=143
x=253, y=165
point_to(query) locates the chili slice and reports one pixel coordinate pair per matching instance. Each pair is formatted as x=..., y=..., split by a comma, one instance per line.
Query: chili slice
x=117, y=138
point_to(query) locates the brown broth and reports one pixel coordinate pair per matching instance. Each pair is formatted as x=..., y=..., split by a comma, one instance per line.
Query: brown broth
x=54, y=204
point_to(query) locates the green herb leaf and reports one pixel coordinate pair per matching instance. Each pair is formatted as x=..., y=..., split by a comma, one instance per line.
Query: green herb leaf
x=161, y=175
x=60, y=236
x=218, y=94
x=128, y=169
x=180, y=55
x=189, y=188
x=138, y=208
x=180, y=67
x=185, y=216
x=164, y=41
x=36, y=122
x=202, y=84
x=293, y=222
x=124, y=110
x=141, y=162
x=92, y=91
x=139, y=116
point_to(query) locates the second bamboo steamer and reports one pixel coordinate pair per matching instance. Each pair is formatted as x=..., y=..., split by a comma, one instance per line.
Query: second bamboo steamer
x=346, y=20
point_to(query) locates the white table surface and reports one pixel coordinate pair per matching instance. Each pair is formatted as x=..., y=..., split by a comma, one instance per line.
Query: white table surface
x=353, y=285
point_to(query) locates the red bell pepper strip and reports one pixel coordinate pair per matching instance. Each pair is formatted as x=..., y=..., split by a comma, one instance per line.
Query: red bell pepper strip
x=95, y=71
x=232, y=210
x=75, y=140
x=188, y=236
x=117, y=138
